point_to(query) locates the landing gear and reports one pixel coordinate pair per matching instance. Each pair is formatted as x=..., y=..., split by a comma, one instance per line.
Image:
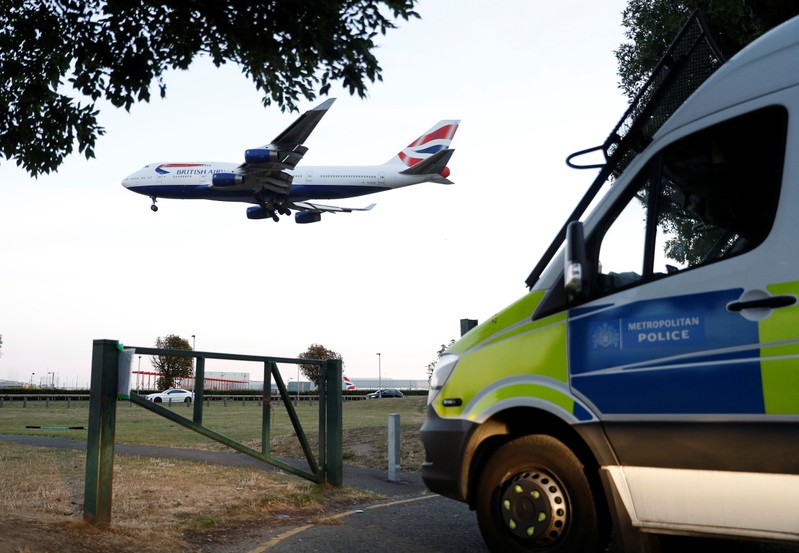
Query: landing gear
x=154, y=207
x=273, y=208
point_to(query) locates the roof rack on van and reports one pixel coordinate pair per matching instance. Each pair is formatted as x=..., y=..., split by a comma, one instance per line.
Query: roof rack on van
x=689, y=61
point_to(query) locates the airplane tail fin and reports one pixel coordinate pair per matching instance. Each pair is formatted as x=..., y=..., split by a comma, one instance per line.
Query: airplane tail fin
x=436, y=139
x=436, y=165
x=348, y=385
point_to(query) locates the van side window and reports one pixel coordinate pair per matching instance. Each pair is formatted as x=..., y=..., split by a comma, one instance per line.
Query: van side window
x=707, y=197
x=621, y=257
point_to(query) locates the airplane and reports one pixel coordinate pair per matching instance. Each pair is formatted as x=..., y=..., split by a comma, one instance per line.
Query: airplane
x=269, y=176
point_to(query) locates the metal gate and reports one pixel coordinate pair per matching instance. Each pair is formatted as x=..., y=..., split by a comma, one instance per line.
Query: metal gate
x=325, y=467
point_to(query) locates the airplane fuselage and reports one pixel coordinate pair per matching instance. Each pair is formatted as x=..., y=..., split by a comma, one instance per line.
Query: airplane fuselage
x=193, y=181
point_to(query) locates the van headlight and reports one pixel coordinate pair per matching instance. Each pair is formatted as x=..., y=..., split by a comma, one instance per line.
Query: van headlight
x=444, y=367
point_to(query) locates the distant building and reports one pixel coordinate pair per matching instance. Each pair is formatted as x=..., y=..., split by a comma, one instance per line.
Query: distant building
x=398, y=383
x=291, y=386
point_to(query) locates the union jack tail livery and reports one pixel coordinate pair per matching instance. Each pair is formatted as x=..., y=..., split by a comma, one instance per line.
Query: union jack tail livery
x=435, y=140
x=348, y=385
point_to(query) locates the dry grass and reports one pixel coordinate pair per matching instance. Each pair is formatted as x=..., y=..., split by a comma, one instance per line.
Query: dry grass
x=155, y=501
x=164, y=505
x=363, y=447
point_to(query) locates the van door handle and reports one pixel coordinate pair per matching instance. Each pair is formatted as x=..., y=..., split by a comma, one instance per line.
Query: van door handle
x=773, y=302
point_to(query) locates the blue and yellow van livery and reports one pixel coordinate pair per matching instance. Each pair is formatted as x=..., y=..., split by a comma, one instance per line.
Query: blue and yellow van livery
x=648, y=383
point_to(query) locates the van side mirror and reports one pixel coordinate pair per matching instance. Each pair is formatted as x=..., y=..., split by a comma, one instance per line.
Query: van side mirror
x=574, y=260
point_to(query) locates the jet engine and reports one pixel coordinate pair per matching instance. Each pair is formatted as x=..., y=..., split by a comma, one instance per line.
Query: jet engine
x=225, y=180
x=261, y=155
x=303, y=217
x=257, y=212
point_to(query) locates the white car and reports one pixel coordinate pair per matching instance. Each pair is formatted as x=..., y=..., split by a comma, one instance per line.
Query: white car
x=173, y=395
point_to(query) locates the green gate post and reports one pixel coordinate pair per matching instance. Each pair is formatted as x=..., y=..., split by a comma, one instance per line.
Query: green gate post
x=322, y=392
x=100, y=440
x=335, y=439
x=266, y=413
x=199, y=390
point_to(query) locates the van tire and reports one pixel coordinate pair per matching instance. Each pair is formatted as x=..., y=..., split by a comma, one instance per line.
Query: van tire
x=531, y=477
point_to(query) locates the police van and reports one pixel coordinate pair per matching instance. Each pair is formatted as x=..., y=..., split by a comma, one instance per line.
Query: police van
x=648, y=383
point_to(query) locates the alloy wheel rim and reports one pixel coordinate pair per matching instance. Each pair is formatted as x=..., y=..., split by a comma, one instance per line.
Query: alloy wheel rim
x=534, y=507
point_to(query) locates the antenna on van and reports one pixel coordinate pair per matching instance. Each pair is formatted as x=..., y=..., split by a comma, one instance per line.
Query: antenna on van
x=689, y=61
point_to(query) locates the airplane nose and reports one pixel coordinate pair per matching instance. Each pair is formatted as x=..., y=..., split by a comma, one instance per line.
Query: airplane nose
x=126, y=182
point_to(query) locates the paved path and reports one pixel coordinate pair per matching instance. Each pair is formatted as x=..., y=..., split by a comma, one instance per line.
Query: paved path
x=421, y=524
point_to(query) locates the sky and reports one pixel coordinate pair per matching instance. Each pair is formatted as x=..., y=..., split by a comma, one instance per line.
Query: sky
x=85, y=259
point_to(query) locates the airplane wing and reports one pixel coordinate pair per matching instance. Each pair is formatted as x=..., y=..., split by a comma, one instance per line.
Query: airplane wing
x=307, y=212
x=263, y=168
x=320, y=208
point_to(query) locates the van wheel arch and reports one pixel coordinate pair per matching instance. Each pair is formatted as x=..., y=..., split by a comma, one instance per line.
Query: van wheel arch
x=515, y=423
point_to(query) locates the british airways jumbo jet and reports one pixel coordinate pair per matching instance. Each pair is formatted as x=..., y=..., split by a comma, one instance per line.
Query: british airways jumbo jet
x=269, y=177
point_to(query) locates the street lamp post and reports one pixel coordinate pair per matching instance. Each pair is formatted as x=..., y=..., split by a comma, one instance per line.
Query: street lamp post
x=379, y=376
x=194, y=359
x=32, y=375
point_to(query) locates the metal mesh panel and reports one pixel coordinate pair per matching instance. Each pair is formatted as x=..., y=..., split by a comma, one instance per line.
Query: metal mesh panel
x=690, y=60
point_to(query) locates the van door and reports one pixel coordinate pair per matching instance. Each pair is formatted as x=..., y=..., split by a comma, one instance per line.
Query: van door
x=683, y=348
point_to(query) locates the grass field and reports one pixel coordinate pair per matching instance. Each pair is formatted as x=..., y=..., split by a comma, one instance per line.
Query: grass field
x=365, y=424
x=42, y=497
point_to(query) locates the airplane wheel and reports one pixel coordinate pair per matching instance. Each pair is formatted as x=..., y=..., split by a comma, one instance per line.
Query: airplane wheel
x=154, y=207
x=275, y=218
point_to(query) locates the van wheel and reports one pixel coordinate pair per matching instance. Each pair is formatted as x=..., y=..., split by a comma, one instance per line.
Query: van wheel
x=533, y=495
